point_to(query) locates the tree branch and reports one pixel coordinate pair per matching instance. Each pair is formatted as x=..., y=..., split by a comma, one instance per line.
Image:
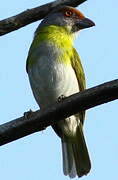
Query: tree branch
x=32, y=15
x=40, y=119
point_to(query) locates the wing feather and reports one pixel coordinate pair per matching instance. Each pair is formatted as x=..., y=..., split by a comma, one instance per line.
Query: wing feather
x=77, y=66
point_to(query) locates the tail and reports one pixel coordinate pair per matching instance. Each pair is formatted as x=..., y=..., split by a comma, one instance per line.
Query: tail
x=76, y=159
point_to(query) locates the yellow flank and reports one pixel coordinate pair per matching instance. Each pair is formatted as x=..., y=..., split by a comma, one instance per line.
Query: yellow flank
x=57, y=35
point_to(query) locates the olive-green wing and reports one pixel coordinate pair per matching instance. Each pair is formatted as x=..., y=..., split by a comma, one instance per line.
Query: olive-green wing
x=77, y=66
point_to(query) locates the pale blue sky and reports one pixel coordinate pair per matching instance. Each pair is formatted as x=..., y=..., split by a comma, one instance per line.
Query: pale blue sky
x=38, y=156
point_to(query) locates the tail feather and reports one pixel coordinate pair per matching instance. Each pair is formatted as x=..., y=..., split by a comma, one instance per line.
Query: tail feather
x=68, y=160
x=65, y=158
x=76, y=159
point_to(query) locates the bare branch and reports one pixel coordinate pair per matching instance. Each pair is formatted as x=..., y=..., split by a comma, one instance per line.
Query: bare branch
x=32, y=15
x=40, y=119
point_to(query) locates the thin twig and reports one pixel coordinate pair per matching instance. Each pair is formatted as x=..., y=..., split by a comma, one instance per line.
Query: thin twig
x=40, y=119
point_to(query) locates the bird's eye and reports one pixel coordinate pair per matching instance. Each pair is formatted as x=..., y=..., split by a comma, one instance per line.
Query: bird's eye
x=68, y=13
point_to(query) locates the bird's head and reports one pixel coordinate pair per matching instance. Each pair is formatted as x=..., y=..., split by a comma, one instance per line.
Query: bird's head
x=68, y=17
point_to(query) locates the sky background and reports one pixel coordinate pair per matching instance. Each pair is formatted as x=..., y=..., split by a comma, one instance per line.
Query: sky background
x=38, y=156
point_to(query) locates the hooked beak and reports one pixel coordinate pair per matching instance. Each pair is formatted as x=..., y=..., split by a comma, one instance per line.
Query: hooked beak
x=85, y=23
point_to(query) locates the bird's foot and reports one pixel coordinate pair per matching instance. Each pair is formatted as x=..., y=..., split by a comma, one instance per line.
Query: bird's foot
x=28, y=114
x=61, y=98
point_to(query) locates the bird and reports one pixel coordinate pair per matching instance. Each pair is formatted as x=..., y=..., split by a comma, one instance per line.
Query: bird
x=55, y=72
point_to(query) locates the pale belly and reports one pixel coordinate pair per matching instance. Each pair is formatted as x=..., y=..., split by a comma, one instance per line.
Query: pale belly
x=50, y=81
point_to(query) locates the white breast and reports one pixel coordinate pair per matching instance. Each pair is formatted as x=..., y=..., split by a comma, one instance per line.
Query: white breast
x=50, y=79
